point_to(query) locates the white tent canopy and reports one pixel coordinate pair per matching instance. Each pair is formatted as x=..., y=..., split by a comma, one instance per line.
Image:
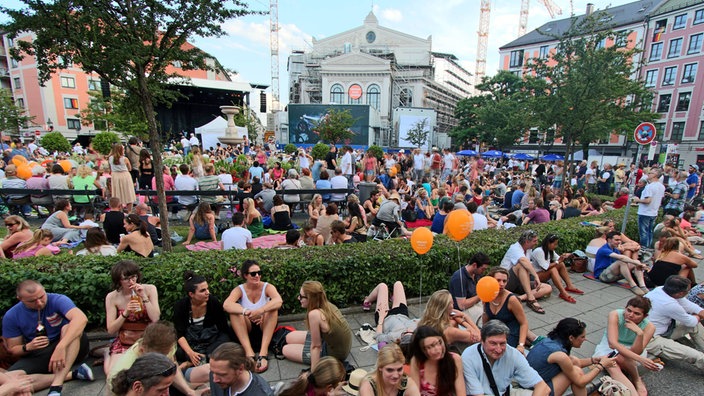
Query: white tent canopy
x=210, y=132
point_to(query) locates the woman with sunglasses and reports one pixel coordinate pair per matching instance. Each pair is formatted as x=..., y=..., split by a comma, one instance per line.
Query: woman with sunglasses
x=254, y=312
x=434, y=369
x=551, y=359
x=151, y=375
x=548, y=265
x=328, y=333
x=389, y=379
x=18, y=231
x=129, y=308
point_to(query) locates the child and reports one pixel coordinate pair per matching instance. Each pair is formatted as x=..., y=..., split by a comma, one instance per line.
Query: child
x=88, y=221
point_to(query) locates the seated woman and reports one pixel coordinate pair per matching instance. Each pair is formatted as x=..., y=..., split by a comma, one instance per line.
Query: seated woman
x=310, y=236
x=252, y=218
x=39, y=245
x=84, y=180
x=434, y=369
x=548, y=265
x=202, y=224
x=424, y=209
x=280, y=215
x=394, y=323
x=551, y=359
x=328, y=333
x=315, y=208
x=97, y=244
x=18, y=231
x=60, y=226
x=453, y=324
x=595, y=244
x=671, y=262
x=129, y=308
x=254, y=312
x=572, y=209
x=507, y=308
x=200, y=321
x=628, y=331
x=388, y=377
x=137, y=240
x=324, y=184
x=673, y=225
x=38, y=181
x=356, y=222
x=324, y=380
x=325, y=222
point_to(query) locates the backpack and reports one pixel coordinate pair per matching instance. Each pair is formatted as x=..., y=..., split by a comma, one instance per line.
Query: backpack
x=278, y=341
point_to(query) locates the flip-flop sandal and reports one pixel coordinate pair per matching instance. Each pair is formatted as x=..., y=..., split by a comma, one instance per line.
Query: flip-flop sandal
x=533, y=305
x=568, y=298
x=574, y=290
x=260, y=367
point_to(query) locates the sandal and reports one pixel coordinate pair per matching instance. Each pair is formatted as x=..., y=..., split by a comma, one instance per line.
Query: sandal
x=262, y=364
x=366, y=306
x=533, y=305
x=568, y=298
x=574, y=290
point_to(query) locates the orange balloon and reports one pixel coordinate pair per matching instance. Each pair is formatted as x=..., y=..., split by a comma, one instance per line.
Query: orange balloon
x=32, y=164
x=487, y=288
x=24, y=171
x=458, y=224
x=66, y=165
x=392, y=171
x=19, y=160
x=422, y=240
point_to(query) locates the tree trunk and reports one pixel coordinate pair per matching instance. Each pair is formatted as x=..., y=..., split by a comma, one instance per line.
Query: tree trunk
x=155, y=143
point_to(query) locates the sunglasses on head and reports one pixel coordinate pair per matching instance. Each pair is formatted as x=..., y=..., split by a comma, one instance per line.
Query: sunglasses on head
x=166, y=373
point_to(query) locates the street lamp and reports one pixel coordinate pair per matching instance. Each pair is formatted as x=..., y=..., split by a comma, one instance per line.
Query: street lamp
x=49, y=124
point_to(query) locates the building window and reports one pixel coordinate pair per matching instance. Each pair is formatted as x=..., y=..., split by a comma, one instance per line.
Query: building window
x=683, y=101
x=17, y=83
x=20, y=103
x=406, y=98
x=675, y=48
x=689, y=73
x=13, y=63
x=70, y=103
x=65, y=62
x=695, y=44
x=698, y=17
x=677, y=131
x=68, y=82
x=93, y=85
x=656, y=51
x=601, y=44
x=621, y=39
x=544, y=51
x=337, y=94
x=177, y=64
x=664, y=103
x=670, y=75
x=651, y=78
x=374, y=96
x=701, y=130
x=10, y=42
x=516, y=58
x=73, y=123
x=680, y=22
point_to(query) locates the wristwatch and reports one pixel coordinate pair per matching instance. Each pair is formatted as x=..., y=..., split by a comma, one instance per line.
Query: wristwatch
x=24, y=347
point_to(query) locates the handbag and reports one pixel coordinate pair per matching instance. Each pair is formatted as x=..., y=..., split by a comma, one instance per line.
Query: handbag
x=200, y=337
x=278, y=341
x=130, y=332
x=611, y=387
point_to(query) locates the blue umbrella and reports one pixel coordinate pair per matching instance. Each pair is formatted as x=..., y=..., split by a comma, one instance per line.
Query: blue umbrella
x=523, y=157
x=467, y=152
x=492, y=154
x=552, y=157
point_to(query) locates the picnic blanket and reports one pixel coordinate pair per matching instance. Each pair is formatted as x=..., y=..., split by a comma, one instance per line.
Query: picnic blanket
x=202, y=246
x=268, y=241
x=419, y=223
x=621, y=282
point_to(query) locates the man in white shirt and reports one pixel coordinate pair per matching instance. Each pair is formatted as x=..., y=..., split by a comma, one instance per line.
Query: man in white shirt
x=186, y=144
x=237, y=237
x=648, y=205
x=347, y=166
x=521, y=272
x=418, y=158
x=194, y=140
x=449, y=164
x=338, y=181
x=675, y=317
x=185, y=182
x=480, y=221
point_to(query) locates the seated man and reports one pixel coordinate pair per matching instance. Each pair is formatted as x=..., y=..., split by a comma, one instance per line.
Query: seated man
x=231, y=369
x=536, y=212
x=610, y=265
x=521, y=272
x=675, y=317
x=12, y=181
x=505, y=362
x=186, y=182
x=389, y=213
x=211, y=182
x=463, y=286
x=338, y=234
x=237, y=237
x=46, y=349
x=142, y=210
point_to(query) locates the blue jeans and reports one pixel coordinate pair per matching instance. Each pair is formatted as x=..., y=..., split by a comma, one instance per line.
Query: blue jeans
x=645, y=230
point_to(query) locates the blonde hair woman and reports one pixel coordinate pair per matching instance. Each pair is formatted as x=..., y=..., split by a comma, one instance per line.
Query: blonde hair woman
x=197, y=162
x=315, y=208
x=322, y=381
x=388, y=378
x=39, y=245
x=440, y=315
x=18, y=231
x=328, y=333
x=252, y=217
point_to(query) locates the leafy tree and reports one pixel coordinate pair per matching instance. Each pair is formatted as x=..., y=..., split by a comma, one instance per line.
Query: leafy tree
x=103, y=142
x=585, y=89
x=12, y=117
x=128, y=43
x=55, y=141
x=376, y=151
x=319, y=151
x=117, y=114
x=290, y=148
x=335, y=126
x=469, y=126
x=418, y=134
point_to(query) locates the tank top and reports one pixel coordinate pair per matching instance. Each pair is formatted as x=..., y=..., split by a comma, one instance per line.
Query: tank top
x=426, y=388
x=245, y=303
x=507, y=317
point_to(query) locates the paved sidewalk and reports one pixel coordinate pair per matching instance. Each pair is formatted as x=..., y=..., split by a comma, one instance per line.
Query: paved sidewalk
x=592, y=308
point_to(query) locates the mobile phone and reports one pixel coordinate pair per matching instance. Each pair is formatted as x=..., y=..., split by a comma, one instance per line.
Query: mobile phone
x=613, y=353
x=452, y=314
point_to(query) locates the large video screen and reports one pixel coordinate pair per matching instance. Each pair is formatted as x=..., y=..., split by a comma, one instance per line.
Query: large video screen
x=302, y=119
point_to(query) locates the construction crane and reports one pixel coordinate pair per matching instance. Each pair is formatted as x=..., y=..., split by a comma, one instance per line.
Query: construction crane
x=483, y=33
x=552, y=8
x=274, y=44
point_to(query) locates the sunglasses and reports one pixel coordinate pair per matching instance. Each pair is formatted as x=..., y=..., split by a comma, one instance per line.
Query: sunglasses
x=301, y=297
x=166, y=373
x=10, y=224
x=255, y=273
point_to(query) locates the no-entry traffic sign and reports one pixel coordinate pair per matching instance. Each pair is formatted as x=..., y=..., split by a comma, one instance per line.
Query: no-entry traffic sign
x=644, y=133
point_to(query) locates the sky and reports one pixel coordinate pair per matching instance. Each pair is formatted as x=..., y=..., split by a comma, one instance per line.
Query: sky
x=453, y=25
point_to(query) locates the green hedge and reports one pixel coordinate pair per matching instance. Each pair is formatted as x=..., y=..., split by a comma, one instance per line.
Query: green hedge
x=348, y=271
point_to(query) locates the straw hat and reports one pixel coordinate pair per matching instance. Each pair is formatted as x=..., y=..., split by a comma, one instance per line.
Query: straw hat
x=356, y=377
x=396, y=197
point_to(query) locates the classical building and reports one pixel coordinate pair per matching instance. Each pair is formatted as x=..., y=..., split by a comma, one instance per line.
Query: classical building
x=384, y=69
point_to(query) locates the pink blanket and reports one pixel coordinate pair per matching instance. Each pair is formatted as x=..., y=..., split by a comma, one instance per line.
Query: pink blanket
x=269, y=241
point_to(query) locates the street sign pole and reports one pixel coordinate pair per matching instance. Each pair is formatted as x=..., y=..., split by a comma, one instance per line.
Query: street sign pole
x=631, y=189
x=644, y=134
